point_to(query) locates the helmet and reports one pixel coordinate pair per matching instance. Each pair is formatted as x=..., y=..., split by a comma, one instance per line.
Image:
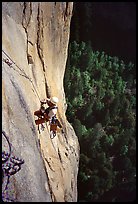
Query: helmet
x=54, y=100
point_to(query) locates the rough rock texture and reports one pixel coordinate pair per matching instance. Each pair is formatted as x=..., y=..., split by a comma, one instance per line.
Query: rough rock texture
x=35, y=36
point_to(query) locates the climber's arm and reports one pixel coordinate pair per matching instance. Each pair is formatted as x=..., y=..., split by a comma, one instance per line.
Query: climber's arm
x=44, y=101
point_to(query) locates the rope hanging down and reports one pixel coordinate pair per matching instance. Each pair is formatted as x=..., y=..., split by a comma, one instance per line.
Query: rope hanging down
x=25, y=75
x=10, y=166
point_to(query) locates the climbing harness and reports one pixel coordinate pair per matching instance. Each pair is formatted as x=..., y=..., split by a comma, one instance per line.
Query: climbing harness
x=10, y=166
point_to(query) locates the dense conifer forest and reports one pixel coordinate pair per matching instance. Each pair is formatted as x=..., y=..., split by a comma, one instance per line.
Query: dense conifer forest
x=101, y=97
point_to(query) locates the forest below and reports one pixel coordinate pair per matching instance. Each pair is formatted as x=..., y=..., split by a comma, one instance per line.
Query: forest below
x=101, y=97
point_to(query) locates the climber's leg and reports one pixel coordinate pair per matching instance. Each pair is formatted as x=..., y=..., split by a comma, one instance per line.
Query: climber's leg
x=52, y=134
x=39, y=121
x=38, y=113
x=46, y=117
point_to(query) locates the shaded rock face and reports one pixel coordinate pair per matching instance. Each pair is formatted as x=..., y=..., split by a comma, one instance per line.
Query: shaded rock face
x=35, y=36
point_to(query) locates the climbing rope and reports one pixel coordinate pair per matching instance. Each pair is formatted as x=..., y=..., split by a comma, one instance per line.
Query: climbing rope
x=10, y=166
x=6, y=155
x=9, y=61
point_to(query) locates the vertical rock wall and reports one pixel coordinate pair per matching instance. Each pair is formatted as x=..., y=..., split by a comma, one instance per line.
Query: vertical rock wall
x=35, y=36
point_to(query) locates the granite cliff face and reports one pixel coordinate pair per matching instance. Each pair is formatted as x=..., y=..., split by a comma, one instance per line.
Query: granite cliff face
x=35, y=36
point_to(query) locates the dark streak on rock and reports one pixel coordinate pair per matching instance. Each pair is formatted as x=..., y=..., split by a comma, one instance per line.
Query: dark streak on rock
x=39, y=50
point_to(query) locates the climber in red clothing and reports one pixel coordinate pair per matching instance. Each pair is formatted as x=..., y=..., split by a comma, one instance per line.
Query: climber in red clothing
x=48, y=113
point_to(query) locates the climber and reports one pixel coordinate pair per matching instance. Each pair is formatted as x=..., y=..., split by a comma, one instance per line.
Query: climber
x=54, y=124
x=8, y=62
x=48, y=113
